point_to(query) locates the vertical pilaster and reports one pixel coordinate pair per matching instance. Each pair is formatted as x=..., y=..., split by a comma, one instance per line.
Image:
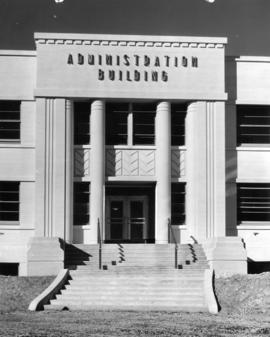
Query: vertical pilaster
x=206, y=170
x=163, y=171
x=53, y=168
x=40, y=137
x=97, y=167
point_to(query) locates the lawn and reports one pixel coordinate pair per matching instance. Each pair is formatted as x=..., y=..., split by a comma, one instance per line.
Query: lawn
x=244, y=301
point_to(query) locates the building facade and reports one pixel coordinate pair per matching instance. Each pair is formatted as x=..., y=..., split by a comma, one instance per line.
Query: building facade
x=127, y=137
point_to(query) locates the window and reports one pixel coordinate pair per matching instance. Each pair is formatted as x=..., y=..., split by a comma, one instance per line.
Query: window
x=9, y=201
x=178, y=117
x=253, y=124
x=117, y=124
x=144, y=124
x=81, y=203
x=82, y=123
x=253, y=202
x=178, y=203
x=10, y=123
x=130, y=124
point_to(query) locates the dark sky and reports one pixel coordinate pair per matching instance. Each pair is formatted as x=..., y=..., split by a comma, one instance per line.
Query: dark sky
x=245, y=22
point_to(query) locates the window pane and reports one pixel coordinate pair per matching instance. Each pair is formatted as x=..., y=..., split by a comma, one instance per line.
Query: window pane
x=10, y=120
x=9, y=201
x=253, y=124
x=178, y=203
x=253, y=202
x=144, y=124
x=81, y=213
x=116, y=123
x=178, y=117
x=82, y=112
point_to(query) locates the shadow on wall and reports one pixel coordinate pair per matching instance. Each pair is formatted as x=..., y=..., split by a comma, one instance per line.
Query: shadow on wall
x=231, y=143
x=258, y=267
x=9, y=269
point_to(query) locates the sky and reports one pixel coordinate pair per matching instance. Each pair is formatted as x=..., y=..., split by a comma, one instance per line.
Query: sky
x=246, y=23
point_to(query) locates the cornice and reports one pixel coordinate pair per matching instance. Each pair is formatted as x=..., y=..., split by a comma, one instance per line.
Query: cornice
x=129, y=40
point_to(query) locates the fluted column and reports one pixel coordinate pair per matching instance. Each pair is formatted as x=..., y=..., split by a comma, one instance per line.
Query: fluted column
x=163, y=171
x=97, y=167
x=69, y=173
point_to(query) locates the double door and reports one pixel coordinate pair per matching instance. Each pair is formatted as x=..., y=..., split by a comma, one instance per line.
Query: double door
x=126, y=218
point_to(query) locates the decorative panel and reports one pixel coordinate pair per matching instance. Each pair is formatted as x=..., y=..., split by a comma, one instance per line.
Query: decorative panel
x=81, y=162
x=178, y=163
x=127, y=162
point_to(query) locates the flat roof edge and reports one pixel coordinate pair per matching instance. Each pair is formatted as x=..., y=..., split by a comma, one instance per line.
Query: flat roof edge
x=253, y=59
x=6, y=52
x=121, y=37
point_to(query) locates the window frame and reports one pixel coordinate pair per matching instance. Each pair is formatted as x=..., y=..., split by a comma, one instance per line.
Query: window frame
x=18, y=202
x=6, y=120
x=173, y=203
x=261, y=203
x=130, y=132
x=243, y=113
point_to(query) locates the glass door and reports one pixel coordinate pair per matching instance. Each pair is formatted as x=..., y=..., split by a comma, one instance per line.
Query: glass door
x=127, y=218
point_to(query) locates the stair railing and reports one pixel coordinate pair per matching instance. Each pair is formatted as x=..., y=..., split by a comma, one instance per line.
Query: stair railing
x=100, y=241
x=173, y=240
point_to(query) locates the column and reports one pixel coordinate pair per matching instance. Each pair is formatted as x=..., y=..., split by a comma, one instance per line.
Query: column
x=69, y=173
x=97, y=168
x=163, y=171
x=205, y=191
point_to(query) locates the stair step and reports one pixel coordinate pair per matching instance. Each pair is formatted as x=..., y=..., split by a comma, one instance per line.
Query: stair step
x=199, y=308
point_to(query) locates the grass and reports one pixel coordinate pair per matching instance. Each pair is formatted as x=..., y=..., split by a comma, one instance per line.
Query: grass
x=244, y=313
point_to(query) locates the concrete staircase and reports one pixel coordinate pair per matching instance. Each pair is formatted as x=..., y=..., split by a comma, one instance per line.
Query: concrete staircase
x=134, y=277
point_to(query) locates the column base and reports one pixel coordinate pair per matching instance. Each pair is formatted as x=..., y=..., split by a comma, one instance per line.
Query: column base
x=45, y=256
x=226, y=255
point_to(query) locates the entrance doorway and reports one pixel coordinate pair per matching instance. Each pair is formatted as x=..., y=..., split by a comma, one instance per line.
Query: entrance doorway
x=127, y=218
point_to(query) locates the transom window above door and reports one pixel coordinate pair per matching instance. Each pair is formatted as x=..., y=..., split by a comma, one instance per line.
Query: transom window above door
x=130, y=123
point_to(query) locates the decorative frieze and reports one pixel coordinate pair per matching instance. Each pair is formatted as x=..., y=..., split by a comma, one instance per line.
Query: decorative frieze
x=127, y=43
x=178, y=163
x=127, y=162
x=81, y=162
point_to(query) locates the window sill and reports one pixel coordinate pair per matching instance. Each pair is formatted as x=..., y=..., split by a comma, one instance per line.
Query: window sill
x=251, y=225
x=253, y=147
x=131, y=147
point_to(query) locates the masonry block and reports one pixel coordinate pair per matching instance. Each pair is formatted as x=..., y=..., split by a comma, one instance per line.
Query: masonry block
x=226, y=255
x=45, y=256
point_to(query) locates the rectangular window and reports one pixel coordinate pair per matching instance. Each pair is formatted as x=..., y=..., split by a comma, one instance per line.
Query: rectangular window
x=130, y=124
x=10, y=122
x=117, y=123
x=81, y=213
x=253, y=202
x=253, y=124
x=178, y=117
x=9, y=201
x=178, y=213
x=82, y=111
x=144, y=124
